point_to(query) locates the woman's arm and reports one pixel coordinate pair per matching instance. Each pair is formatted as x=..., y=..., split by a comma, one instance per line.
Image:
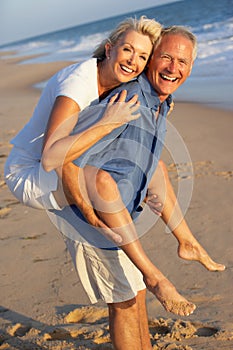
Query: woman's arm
x=61, y=148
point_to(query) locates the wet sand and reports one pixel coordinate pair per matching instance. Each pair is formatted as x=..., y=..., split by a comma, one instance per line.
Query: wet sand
x=43, y=305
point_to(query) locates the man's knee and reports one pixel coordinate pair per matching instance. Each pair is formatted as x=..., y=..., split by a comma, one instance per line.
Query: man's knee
x=124, y=307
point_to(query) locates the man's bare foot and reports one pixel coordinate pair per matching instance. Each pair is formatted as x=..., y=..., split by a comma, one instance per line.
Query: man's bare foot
x=194, y=251
x=171, y=300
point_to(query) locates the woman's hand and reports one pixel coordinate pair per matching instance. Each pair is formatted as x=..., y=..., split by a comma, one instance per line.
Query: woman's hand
x=119, y=112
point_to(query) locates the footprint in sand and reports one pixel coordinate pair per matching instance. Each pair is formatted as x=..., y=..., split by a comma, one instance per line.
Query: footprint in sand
x=4, y=212
x=196, y=169
x=18, y=330
x=87, y=314
x=225, y=174
x=91, y=323
x=2, y=183
x=179, y=329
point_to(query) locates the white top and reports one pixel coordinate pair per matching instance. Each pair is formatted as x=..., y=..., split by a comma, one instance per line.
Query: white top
x=78, y=82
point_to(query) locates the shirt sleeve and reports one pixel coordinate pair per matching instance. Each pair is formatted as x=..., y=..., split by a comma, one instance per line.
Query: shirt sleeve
x=80, y=84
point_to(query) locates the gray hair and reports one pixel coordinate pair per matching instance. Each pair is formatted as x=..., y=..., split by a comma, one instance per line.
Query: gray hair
x=143, y=25
x=180, y=30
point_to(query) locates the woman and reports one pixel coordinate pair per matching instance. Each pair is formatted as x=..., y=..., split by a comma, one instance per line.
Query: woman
x=121, y=57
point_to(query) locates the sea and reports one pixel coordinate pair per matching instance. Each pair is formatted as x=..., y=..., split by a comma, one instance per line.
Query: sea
x=211, y=81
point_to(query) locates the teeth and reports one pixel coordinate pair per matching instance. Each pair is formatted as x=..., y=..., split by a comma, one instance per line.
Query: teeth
x=167, y=77
x=128, y=70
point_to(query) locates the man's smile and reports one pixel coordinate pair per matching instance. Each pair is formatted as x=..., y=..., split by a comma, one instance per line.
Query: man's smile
x=166, y=77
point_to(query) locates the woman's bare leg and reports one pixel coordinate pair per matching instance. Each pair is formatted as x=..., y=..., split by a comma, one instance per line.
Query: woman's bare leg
x=189, y=248
x=106, y=200
x=72, y=190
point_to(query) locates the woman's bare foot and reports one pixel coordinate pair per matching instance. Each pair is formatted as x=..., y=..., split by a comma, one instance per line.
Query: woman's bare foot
x=194, y=251
x=171, y=300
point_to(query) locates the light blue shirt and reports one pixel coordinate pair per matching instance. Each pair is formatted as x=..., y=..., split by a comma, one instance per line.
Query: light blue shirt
x=129, y=153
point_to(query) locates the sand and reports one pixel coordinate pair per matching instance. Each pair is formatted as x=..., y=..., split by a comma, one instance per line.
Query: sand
x=43, y=305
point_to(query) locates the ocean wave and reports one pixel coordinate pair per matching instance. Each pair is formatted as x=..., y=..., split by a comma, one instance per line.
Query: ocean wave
x=217, y=30
x=27, y=49
x=214, y=48
x=87, y=43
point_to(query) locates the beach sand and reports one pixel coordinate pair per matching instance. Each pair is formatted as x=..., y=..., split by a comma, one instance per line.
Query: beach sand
x=43, y=305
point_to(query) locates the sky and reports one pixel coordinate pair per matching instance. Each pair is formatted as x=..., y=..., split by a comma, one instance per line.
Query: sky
x=20, y=19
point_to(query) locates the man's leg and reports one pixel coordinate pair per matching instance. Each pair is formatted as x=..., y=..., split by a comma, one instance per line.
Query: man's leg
x=143, y=319
x=128, y=324
x=189, y=248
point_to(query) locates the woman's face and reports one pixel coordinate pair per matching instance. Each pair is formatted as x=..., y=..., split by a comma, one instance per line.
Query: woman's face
x=129, y=56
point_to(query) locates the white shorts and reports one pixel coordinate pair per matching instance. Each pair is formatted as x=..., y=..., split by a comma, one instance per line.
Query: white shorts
x=105, y=274
x=29, y=182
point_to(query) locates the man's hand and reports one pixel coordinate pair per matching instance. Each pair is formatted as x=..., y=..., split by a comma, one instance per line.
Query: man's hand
x=99, y=225
x=152, y=201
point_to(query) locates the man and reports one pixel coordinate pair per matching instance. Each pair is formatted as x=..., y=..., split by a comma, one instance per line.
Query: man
x=105, y=271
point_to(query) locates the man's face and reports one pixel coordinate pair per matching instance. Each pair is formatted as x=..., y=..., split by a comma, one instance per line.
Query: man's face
x=170, y=64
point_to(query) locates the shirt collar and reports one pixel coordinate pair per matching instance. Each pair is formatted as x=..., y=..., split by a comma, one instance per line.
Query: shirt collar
x=150, y=94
